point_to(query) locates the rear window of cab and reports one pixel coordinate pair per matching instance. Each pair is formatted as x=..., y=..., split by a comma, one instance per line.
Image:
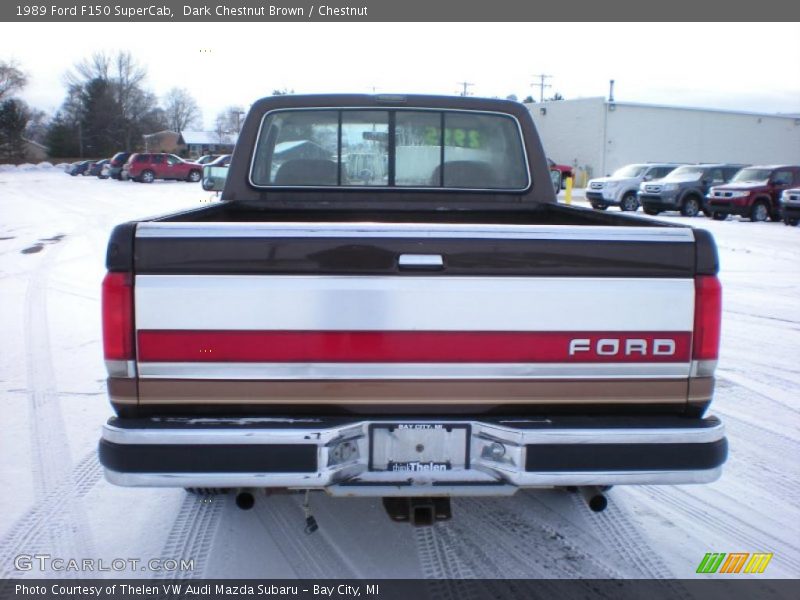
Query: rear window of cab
x=357, y=148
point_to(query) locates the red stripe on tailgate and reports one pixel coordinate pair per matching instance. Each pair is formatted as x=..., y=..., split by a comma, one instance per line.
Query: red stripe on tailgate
x=412, y=346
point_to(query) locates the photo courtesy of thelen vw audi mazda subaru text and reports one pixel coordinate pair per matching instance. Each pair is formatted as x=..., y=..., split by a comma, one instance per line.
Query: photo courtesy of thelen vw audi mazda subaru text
x=389, y=302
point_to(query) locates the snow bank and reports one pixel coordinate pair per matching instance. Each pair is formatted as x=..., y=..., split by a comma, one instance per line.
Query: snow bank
x=31, y=167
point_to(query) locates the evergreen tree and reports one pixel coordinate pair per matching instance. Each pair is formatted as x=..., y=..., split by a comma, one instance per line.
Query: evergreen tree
x=14, y=115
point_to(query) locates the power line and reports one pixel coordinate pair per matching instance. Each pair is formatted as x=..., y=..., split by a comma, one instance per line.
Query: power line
x=541, y=85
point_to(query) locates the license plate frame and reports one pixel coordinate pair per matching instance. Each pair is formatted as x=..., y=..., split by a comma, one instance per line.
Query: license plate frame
x=447, y=430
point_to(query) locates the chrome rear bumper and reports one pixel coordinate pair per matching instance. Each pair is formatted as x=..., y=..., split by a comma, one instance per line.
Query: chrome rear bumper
x=335, y=454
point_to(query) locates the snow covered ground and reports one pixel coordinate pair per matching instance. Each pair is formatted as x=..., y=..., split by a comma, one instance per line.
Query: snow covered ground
x=53, y=233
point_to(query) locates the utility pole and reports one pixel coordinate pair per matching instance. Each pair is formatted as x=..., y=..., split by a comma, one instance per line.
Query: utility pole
x=80, y=139
x=541, y=85
x=465, y=85
x=239, y=114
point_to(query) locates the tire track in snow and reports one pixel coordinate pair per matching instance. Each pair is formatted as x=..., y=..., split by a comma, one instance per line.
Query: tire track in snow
x=67, y=533
x=451, y=563
x=470, y=548
x=49, y=447
x=759, y=317
x=529, y=547
x=760, y=431
x=313, y=556
x=625, y=539
x=758, y=460
x=437, y=558
x=31, y=533
x=787, y=399
x=720, y=520
x=192, y=535
x=759, y=467
x=460, y=555
x=500, y=538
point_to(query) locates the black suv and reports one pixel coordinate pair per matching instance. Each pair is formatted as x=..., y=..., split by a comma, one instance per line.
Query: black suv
x=685, y=188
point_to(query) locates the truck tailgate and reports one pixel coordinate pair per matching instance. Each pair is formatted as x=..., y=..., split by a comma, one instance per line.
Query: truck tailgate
x=401, y=318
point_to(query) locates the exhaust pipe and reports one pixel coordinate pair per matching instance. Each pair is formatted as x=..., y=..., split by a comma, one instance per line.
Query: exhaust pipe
x=594, y=497
x=245, y=499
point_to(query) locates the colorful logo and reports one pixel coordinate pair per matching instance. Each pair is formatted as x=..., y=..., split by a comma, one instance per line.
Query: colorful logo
x=734, y=562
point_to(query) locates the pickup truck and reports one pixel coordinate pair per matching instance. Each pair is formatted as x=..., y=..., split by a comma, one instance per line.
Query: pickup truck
x=436, y=327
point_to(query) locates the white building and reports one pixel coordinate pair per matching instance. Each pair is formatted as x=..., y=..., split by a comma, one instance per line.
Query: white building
x=598, y=136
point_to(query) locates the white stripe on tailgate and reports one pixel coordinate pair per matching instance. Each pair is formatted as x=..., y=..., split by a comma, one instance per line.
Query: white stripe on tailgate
x=342, y=303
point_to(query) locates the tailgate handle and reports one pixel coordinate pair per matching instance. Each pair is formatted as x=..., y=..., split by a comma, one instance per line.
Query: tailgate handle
x=421, y=261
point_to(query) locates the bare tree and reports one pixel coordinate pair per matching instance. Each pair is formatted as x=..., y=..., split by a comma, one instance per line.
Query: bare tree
x=135, y=109
x=129, y=77
x=12, y=79
x=97, y=66
x=181, y=110
x=229, y=121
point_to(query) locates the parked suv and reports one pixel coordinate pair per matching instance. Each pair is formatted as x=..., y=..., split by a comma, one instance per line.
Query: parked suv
x=564, y=171
x=146, y=168
x=620, y=188
x=790, y=206
x=753, y=192
x=116, y=163
x=684, y=189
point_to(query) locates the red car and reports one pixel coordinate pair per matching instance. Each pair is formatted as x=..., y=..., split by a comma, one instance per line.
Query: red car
x=565, y=170
x=149, y=167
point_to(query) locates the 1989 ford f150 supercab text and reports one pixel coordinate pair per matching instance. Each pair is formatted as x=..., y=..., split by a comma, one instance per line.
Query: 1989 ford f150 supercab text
x=388, y=302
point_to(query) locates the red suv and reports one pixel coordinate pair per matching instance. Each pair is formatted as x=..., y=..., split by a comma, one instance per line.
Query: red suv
x=753, y=192
x=149, y=167
x=564, y=170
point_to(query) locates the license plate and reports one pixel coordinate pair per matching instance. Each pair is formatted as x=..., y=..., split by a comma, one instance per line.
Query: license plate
x=418, y=447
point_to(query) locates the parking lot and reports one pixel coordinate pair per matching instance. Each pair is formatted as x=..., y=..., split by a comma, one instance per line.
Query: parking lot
x=52, y=244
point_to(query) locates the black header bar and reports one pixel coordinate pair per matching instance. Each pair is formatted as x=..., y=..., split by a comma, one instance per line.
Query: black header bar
x=332, y=11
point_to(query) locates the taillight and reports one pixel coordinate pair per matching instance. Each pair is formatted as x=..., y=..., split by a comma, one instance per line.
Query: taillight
x=707, y=317
x=118, y=316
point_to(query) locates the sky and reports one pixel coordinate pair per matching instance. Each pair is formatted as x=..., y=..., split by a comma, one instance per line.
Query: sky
x=222, y=64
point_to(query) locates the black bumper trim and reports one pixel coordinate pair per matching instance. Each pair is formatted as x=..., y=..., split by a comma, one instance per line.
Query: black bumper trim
x=597, y=198
x=793, y=212
x=729, y=209
x=625, y=457
x=658, y=203
x=208, y=458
